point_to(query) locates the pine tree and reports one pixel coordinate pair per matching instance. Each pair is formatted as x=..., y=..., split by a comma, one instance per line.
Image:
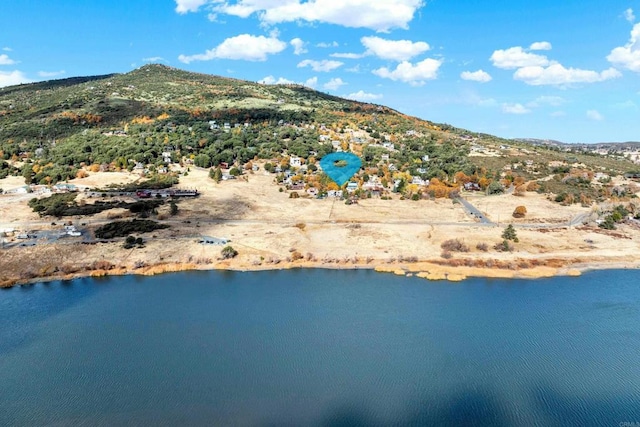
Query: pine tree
x=509, y=233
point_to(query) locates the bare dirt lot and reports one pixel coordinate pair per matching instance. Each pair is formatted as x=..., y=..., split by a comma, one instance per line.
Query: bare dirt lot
x=271, y=230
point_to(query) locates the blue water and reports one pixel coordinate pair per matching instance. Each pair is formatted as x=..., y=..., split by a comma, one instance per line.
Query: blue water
x=340, y=174
x=316, y=347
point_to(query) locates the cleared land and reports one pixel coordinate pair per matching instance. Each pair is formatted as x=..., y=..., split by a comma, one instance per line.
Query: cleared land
x=270, y=230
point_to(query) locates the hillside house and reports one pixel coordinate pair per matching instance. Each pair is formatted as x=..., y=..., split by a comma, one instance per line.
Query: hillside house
x=295, y=162
x=352, y=186
x=419, y=181
x=472, y=186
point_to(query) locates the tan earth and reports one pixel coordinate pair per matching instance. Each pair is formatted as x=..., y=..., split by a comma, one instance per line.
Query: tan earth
x=270, y=230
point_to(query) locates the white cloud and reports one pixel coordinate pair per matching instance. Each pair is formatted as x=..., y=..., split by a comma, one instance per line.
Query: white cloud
x=10, y=78
x=364, y=96
x=51, y=73
x=320, y=66
x=476, y=76
x=540, y=46
x=347, y=55
x=558, y=75
x=558, y=114
x=5, y=60
x=381, y=15
x=415, y=75
x=628, y=56
x=154, y=59
x=298, y=46
x=538, y=70
x=184, y=6
x=394, y=50
x=629, y=16
x=515, y=109
x=334, y=84
x=7, y=49
x=244, y=47
x=270, y=80
x=595, y=115
x=517, y=57
x=325, y=45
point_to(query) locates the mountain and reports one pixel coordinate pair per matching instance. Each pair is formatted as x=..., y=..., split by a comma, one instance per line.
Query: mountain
x=53, y=130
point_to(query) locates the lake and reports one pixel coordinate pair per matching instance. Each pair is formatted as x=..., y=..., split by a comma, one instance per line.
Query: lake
x=321, y=347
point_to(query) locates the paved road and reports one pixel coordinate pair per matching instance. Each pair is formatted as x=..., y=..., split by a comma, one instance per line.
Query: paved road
x=474, y=212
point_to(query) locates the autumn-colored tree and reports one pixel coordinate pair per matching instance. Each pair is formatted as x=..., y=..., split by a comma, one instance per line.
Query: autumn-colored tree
x=520, y=190
x=520, y=212
x=484, y=182
x=533, y=186
x=82, y=174
x=518, y=181
x=461, y=178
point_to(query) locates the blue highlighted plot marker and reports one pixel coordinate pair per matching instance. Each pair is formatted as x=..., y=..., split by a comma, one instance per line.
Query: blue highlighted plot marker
x=340, y=167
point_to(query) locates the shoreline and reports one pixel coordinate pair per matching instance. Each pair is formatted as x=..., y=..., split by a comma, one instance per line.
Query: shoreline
x=431, y=271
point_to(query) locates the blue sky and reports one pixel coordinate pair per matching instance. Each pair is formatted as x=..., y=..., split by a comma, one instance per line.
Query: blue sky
x=566, y=70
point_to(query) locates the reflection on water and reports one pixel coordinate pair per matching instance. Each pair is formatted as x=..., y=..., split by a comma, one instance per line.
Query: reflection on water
x=315, y=347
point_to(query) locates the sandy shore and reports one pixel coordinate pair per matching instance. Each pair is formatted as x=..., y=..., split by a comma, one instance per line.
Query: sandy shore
x=436, y=269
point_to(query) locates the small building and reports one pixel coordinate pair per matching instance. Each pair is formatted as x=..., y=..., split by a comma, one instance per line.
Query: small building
x=295, y=161
x=352, y=186
x=419, y=181
x=472, y=186
x=335, y=193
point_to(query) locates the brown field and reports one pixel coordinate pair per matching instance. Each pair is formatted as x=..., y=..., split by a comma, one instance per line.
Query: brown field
x=269, y=230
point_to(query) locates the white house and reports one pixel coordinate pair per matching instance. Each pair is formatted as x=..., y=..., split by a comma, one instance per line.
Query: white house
x=295, y=161
x=419, y=181
x=352, y=186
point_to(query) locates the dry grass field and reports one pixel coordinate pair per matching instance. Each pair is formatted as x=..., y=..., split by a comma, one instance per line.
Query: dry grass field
x=271, y=230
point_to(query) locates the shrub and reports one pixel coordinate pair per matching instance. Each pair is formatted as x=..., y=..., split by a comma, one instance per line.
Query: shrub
x=124, y=228
x=482, y=247
x=519, y=212
x=102, y=265
x=533, y=186
x=503, y=246
x=228, y=252
x=495, y=188
x=454, y=245
x=446, y=255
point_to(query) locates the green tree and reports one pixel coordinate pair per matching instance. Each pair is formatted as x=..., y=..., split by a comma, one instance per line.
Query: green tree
x=173, y=208
x=509, y=233
x=495, y=188
x=215, y=174
x=228, y=252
